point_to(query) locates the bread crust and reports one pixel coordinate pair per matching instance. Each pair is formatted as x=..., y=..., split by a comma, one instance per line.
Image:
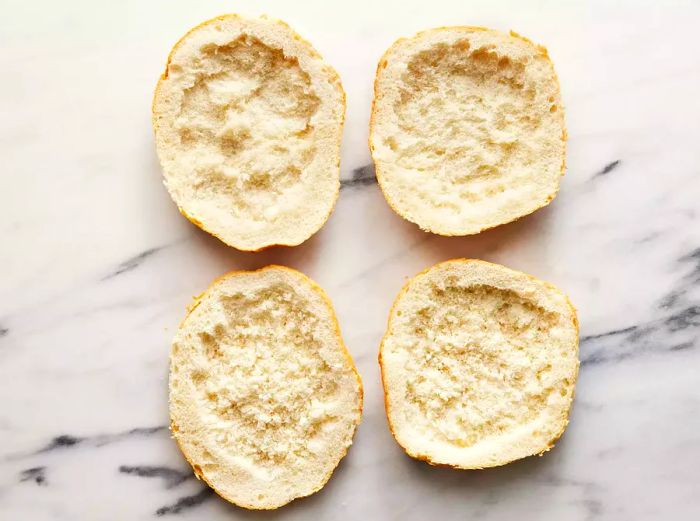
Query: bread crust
x=387, y=405
x=313, y=52
x=196, y=300
x=383, y=61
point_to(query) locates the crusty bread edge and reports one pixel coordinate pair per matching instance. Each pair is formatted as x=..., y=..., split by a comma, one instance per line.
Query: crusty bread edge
x=387, y=405
x=377, y=170
x=196, y=300
x=312, y=50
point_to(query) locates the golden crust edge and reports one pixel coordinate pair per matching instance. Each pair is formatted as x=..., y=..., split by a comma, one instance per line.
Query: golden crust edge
x=313, y=52
x=387, y=406
x=196, y=300
x=377, y=170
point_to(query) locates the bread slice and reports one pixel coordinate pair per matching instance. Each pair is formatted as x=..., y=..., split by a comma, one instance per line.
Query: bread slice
x=248, y=121
x=467, y=129
x=479, y=364
x=264, y=397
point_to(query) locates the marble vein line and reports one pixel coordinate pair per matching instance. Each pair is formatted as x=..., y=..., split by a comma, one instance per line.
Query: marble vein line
x=613, y=332
x=67, y=441
x=607, y=168
x=590, y=494
x=137, y=260
x=676, y=329
x=649, y=237
x=132, y=262
x=362, y=176
x=58, y=297
x=371, y=269
x=690, y=280
x=651, y=337
x=35, y=474
x=172, y=477
x=186, y=502
x=593, y=508
x=562, y=481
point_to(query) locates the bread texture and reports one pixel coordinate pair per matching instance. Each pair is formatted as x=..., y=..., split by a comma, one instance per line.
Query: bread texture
x=467, y=129
x=264, y=396
x=248, y=121
x=479, y=364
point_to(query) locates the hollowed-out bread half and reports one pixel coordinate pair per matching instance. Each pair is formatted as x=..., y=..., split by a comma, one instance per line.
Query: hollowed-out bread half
x=467, y=129
x=264, y=397
x=248, y=121
x=479, y=364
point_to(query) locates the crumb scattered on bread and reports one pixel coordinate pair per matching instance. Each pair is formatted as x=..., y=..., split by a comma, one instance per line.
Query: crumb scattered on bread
x=479, y=364
x=467, y=129
x=264, y=397
x=248, y=121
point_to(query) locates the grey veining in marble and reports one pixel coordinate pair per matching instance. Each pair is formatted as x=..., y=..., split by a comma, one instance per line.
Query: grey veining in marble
x=98, y=265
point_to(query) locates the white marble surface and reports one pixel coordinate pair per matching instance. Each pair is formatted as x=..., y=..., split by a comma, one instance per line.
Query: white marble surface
x=97, y=265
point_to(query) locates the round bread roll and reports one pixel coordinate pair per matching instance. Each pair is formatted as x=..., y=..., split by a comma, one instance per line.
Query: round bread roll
x=479, y=364
x=467, y=129
x=264, y=396
x=248, y=121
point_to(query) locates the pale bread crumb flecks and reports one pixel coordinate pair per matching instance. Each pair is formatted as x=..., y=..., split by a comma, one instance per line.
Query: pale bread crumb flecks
x=248, y=121
x=467, y=129
x=264, y=396
x=479, y=364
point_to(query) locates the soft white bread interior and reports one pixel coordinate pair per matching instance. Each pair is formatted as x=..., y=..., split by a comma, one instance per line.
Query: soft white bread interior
x=248, y=121
x=264, y=397
x=479, y=364
x=467, y=129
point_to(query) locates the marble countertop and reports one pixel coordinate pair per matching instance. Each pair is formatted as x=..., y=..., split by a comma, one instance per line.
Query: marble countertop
x=97, y=265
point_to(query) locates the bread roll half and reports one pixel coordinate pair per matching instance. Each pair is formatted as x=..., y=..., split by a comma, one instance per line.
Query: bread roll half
x=467, y=129
x=248, y=121
x=264, y=397
x=479, y=364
